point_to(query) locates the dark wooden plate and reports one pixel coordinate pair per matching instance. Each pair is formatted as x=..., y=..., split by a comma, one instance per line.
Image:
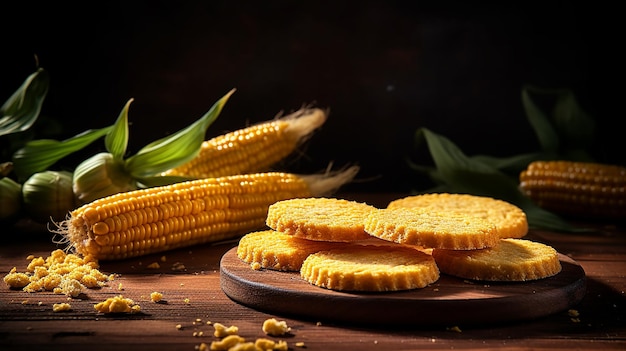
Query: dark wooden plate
x=450, y=301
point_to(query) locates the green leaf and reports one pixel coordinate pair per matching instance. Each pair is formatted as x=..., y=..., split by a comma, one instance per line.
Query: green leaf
x=547, y=135
x=457, y=173
x=38, y=155
x=176, y=149
x=116, y=141
x=575, y=127
x=513, y=164
x=22, y=109
x=569, y=132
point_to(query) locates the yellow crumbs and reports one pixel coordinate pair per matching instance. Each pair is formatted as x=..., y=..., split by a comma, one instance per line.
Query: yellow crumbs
x=231, y=341
x=222, y=331
x=156, y=296
x=117, y=304
x=60, y=273
x=60, y=307
x=274, y=327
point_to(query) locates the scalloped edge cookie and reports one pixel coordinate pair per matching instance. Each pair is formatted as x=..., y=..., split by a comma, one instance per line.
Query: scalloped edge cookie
x=509, y=219
x=432, y=229
x=322, y=219
x=511, y=260
x=370, y=268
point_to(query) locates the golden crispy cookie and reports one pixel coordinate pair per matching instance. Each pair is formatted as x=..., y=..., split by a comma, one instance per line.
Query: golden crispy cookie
x=431, y=229
x=509, y=219
x=324, y=219
x=278, y=251
x=370, y=268
x=511, y=260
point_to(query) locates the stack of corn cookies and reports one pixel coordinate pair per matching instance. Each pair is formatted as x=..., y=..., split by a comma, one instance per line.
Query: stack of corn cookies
x=345, y=245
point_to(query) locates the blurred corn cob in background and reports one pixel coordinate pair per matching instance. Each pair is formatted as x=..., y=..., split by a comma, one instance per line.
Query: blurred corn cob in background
x=162, y=218
x=582, y=189
x=252, y=149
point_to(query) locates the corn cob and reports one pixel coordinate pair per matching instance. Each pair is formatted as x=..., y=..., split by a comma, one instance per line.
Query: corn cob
x=252, y=149
x=591, y=190
x=157, y=219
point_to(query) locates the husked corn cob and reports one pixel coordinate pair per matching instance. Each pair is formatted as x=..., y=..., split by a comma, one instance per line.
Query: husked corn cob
x=157, y=219
x=586, y=189
x=252, y=149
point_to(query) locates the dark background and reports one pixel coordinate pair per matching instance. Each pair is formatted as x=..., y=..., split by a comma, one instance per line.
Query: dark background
x=382, y=68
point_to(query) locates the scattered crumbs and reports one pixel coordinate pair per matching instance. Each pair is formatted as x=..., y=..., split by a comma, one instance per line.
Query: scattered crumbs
x=209, y=322
x=39, y=303
x=274, y=327
x=178, y=266
x=154, y=265
x=202, y=347
x=24, y=302
x=186, y=300
x=300, y=344
x=264, y=344
x=222, y=331
x=375, y=342
x=197, y=321
x=574, y=314
x=179, y=326
x=182, y=284
x=163, y=258
x=117, y=304
x=454, y=329
x=318, y=323
x=120, y=287
x=436, y=289
x=60, y=307
x=30, y=257
x=227, y=342
x=467, y=281
x=267, y=344
x=198, y=333
x=60, y=273
x=156, y=296
x=433, y=340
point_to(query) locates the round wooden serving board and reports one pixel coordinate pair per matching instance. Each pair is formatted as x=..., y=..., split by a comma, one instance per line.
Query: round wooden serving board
x=450, y=301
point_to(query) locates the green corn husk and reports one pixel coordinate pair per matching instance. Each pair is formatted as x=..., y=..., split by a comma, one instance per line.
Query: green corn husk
x=48, y=196
x=10, y=199
x=111, y=172
x=99, y=176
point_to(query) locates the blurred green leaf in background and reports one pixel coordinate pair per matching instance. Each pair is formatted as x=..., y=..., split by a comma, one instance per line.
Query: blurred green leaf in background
x=566, y=132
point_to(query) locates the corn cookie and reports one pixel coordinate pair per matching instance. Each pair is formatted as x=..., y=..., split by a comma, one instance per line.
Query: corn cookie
x=431, y=229
x=510, y=260
x=278, y=251
x=322, y=219
x=510, y=220
x=370, y=268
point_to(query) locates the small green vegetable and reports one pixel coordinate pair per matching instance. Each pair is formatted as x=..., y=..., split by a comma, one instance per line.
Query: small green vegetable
x=48, y=196
x=10, y=199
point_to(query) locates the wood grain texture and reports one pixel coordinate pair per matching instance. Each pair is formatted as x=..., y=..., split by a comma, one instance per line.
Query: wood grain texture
x=27, y=321
x=449, y=301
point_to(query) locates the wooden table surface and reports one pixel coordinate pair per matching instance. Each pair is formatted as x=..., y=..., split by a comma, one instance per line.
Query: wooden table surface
x=194, y=297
